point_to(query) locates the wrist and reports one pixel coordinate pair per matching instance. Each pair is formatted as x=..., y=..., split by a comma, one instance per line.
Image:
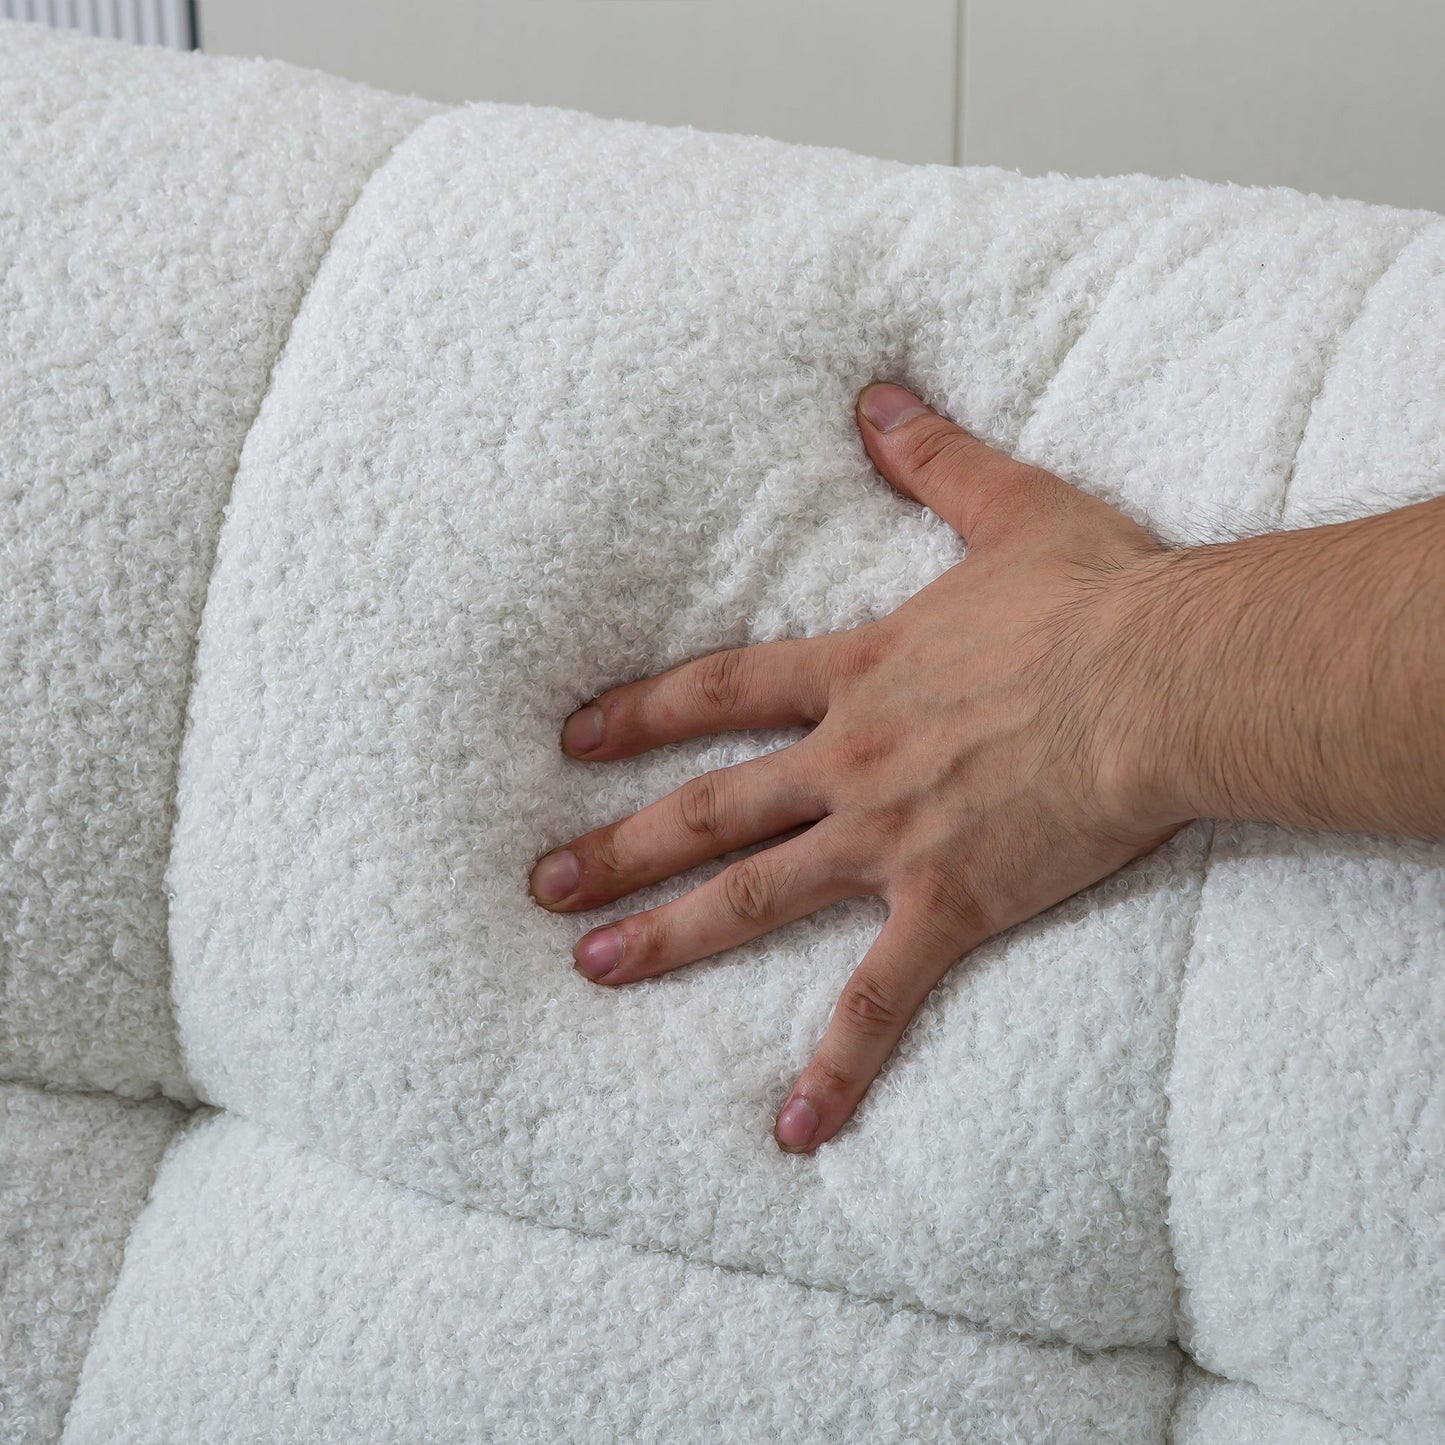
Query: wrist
x=1228, y=693
x=1290, y=678
x=1162, y=723
x=1137, y=646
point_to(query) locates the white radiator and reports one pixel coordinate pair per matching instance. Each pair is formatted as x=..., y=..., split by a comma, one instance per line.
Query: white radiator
x=151, y=22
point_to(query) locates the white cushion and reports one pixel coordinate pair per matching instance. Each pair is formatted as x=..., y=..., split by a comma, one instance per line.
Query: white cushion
x=567, y=401
x=160, y=218
x=75, y=1170
x=271, y=1294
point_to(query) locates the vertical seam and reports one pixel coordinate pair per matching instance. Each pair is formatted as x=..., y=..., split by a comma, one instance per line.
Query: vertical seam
x=190, y=684
x=1176, y=1397
x=183, y=1127
x=1328, y=370
x=1181, y=976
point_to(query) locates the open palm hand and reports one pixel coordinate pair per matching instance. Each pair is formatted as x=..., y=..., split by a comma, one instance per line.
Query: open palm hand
x=969, y=764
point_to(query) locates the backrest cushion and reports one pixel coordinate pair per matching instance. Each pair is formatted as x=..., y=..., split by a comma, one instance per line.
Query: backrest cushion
x=571, y=401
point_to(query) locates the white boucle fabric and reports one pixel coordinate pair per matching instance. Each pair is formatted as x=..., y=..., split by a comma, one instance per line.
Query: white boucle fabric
x=269, y=1294
x=1307, y=1135
x=518, y=451
x=1186, y=400
x=1307, y=1127
x=160, y=216
x=74, y=1172
x=1211, y=1411
x=1376, y=438
x=566, y=402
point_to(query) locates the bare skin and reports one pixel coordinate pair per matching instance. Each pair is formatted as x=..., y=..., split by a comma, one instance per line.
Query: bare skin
x=1059, y=703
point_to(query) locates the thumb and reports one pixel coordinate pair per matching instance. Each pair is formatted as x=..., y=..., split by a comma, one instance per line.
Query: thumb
x=978, y=491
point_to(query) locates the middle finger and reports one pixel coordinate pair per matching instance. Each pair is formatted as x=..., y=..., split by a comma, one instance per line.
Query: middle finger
x=708, y=816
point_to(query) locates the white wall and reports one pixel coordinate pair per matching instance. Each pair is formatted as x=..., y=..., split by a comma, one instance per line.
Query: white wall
x=1341, y=96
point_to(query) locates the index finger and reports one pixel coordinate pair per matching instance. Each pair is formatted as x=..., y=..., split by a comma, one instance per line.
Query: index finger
x=773, y=684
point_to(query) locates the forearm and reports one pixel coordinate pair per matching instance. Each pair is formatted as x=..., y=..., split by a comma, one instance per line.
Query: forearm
x=1296, y=678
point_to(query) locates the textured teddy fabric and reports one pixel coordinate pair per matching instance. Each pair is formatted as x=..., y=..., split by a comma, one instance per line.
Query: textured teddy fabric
x=1308, y=1126
x=357, y=962
x=564, y=402
x=74, y=1173
x=495, y=1329
x=1211, y=1411
x=1307, y=1129
x=150, y=264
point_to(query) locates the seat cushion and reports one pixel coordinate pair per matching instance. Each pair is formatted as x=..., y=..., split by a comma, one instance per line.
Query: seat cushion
x=270, y=1294
x=1212, y=1411
x=75, y=1171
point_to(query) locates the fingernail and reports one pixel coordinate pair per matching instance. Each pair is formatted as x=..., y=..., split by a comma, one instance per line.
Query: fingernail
x=583, y=730
x=797, y=1124
x=556, y=875
x=599, y=952
x=887, y=406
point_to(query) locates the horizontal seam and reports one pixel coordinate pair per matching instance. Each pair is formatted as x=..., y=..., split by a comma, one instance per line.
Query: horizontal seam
x=695, y=1261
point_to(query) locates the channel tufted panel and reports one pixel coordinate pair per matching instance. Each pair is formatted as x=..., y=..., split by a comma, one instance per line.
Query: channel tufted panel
x=517, y=450
x=1308, y=1119
x=478, y=412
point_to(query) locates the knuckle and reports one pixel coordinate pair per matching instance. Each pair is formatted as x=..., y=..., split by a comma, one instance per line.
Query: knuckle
x=645, y=936
x=830, y=1079
x=1002, y=487
x=945, y=903
x=749, y=892
x=718, y=680
x=859, y=749
x=868, y=1006
x=936, y=449
x=859, y=652
x=700, y=806
x=605, y=856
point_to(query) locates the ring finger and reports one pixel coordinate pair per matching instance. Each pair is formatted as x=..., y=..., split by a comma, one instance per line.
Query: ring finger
x=708, y=816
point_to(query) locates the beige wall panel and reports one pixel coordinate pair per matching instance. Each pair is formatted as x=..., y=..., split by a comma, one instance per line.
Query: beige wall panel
x=1336, y=96
x=880, y=80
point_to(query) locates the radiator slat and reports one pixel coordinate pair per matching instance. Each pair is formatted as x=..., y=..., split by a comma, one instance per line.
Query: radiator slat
x=149, y=22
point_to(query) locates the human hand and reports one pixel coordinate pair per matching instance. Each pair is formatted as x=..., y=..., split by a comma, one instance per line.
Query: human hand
x=972, y=764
